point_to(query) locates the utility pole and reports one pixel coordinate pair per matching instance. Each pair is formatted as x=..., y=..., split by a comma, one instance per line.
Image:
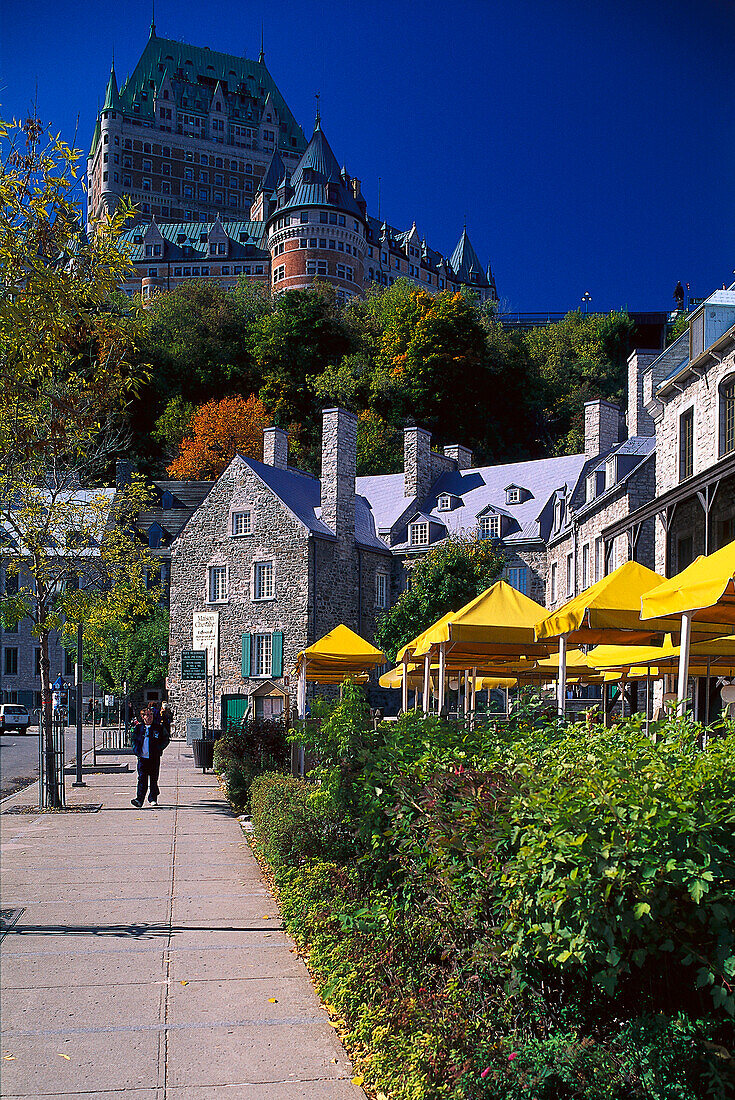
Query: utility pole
x=79, y=676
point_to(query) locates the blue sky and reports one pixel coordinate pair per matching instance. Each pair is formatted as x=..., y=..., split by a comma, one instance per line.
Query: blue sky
x=590, y=144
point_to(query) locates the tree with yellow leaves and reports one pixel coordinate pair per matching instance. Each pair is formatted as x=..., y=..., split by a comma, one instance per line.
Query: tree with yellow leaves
x=65, y=381
x=219, y=431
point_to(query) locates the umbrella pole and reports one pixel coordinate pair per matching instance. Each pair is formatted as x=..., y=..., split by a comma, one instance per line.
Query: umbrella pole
x=442, y=666
x=427, y=682
x=473, y=696
x=404, y=684
x=466, y=693
x=706, y=703
x=648, y=701
x=684, y=644
x=561, y=696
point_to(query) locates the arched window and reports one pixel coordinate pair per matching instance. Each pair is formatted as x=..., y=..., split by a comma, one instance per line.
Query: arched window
x=727, y=416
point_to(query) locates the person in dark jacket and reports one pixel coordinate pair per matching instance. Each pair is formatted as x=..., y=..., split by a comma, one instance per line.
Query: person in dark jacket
x=149, y=739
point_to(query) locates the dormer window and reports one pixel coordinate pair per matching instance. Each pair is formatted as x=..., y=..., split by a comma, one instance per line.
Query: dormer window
x=591, y=487
x=167, y=500
x=418, y=534
x=155, y=536
x=610, y=478
x=444, y=503
x=514, y=495
x=490, y=527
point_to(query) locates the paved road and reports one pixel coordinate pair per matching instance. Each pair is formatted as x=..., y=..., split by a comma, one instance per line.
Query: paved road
x=19, y=756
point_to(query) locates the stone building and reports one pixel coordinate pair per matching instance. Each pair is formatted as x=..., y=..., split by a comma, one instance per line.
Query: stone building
x=689, y=393
x=281, y=557
x=226, y=186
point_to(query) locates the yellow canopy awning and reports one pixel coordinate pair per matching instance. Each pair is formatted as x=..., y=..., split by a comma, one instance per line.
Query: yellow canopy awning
x=416, y=644
x=339, y=654
x=497, y=623
x=609, y=611
x=706, y=589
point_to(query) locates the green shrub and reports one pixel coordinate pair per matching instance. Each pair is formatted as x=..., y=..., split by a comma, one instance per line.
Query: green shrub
x=249, y=748
x=294, y=820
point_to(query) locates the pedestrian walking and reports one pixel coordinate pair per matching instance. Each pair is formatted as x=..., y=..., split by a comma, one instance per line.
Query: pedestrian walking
x=149, y=739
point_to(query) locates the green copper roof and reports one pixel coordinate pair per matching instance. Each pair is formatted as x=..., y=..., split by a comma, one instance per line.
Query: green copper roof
x=274, y=174
x=196, y=71
x=465, y=264
x=112, y=99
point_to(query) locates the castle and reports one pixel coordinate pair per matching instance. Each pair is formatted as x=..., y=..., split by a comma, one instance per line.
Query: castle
x=226, y=187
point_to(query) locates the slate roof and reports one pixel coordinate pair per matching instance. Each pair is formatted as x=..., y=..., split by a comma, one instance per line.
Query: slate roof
x=301, y=493
x=273, y=175
x=465, y=264
x=476, y=490
x=186, y=498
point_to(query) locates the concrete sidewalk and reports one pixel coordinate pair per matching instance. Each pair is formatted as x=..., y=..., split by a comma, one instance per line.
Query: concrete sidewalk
x=148, y=959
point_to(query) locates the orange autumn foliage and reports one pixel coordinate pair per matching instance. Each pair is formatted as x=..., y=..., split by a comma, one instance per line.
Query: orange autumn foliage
x=220, y=430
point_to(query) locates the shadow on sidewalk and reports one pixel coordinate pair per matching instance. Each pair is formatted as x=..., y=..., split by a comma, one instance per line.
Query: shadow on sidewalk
x=133, y=931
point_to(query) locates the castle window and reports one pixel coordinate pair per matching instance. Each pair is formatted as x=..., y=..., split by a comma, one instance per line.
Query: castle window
x=349, y=273
x=322, y=242
x=304, y=217
x=490, y=527
x=333, y=245
x=321, y=267
x=323, y=217
x=303, y=242
x=332, y=219
x=418, y=534
x=341, y=219
x=381, y=589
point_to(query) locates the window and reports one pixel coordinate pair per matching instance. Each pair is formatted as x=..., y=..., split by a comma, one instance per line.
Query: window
x=68, y=663
x=304, y=217
x=242, y=523
x=381, y=589
x=155, y=536
x=217, y=583
x=514, y=496
x=586, y=565
x=570, y=575
x=10, y=664
x=262, y=654
x=419, y=534
x=553, y=581
x=263, y=580
x=444, y=503
x=323, y=217
x=490, y=527
x=167, y=500
x=727, y=416
x=517, y=577
x=686, y=444
x=684, y=552
x=599, y=559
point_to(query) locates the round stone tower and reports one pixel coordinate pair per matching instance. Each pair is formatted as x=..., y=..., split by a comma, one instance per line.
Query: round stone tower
x=316, y=227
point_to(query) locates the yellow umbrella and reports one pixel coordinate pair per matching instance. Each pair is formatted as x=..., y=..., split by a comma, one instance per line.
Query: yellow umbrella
x=607, y=611
x=703, y=596
x=339, y=654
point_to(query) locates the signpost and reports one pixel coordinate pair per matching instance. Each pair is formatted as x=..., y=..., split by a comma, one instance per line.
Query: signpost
x=194, y=667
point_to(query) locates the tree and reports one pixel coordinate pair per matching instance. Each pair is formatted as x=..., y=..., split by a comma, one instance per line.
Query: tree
x=448, y=576
x=579, y=359
x=219, y=431
x=66, y=379
x=123, y=643
x=173, y=426
x=379, y=445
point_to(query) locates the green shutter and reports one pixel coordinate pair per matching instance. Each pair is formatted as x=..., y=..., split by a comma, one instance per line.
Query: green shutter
x=246, y=656
x=277, y=653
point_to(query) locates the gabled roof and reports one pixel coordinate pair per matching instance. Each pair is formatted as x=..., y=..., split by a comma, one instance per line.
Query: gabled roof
x=317, y=179
x=246, y=240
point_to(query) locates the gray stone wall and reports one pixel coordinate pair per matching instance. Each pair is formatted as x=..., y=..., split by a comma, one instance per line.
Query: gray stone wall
x=639, y=420
x=601, y=427
x=206, y=540
x=339, y=460
x=275, y=447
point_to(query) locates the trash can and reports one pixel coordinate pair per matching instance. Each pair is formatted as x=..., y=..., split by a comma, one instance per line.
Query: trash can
x=203, y=753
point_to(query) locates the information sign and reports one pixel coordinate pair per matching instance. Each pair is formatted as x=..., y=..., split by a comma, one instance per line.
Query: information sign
x=194, y=664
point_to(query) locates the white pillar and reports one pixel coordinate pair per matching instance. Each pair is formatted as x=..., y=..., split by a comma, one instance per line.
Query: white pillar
x=684, y=644
x=466, y=692
x=473, y=695
x=561, y=695
x=442, y=671
x=427, y=681
x=302, y=690
x=404, y=684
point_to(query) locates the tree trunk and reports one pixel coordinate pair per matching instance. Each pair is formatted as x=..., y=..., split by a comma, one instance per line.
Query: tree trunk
x=50, y=781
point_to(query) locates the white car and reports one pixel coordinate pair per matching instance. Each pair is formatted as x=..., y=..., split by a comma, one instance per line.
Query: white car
x=13, y=716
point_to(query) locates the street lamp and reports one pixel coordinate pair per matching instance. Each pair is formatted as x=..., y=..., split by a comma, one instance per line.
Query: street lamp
x=586, y=299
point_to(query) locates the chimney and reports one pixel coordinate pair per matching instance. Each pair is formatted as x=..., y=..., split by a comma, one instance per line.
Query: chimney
x=640, y=422
x=417, y=472
x=123, y=473
x=275, y=448
x=601, y=427
x=462, y=455
x=339, y=462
